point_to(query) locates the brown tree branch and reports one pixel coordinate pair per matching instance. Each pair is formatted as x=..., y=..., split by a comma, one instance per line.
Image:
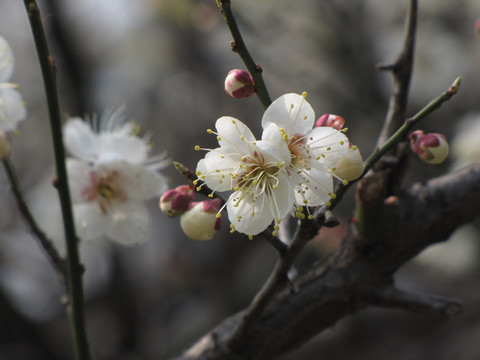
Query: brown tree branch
x=357, y=275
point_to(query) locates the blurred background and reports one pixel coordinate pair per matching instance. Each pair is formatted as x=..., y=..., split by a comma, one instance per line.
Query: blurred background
x=167, y=60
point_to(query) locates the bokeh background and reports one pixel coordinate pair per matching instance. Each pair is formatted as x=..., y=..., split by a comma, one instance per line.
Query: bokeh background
x=166, y=60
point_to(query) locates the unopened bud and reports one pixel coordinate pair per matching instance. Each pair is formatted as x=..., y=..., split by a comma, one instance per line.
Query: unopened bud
x=5, y=144
x=351, y=166
x=331, y=120
x=239, y=84
x=200, y=221
x=431, y=148
x=477, y=27
x=175, y=202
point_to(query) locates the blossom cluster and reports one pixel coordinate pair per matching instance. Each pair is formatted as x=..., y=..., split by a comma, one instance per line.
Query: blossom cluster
x=290, y=168
x=111, y=176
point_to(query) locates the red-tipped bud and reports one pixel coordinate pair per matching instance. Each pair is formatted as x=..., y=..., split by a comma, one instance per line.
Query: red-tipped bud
x=175, y=202
x=431, y=148
x=330, y=120
x=351, y=166
x=201, y=221
x=239, y=84
x=5, y=144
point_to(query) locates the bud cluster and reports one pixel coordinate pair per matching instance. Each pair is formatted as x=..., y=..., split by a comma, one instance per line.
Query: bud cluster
x=198, y=220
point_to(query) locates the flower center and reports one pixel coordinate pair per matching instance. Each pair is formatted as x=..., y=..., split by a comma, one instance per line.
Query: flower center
x=256, y=175
x=104, y=189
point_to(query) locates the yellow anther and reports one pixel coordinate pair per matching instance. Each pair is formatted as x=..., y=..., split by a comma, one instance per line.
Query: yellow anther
x=210, y=195
x=341, y=142
x=218, y=216
x=328, y=204
x=219, y=138
x=345, y=182
x=250, y=237
x=354, y=147
x=333, y=196
x=195, y=182
x=304, y=94
x=197, y=147
x=199, y=188
x=209, y=131
x=310, y=217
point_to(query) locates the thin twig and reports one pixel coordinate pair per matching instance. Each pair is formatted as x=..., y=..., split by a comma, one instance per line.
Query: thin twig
x=75, y=270
x=238, y=45
x=402, y=73
x=47, y=245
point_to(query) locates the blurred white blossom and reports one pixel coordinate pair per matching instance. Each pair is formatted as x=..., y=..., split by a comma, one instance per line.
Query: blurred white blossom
x=111, y=177
x=12, y=107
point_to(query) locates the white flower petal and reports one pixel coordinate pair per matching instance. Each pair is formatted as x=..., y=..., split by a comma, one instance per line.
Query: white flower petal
x=248, y=217
x=137, y=181
x=216, y=169
x=312, y=188
x=90, y=221
x=12, y=108
x=274, y=143
x=290, y=112
x=80, y=140
x=114, y=147
x=78, y=178
x=129, y=223
x=330, y=144
x=234, y=135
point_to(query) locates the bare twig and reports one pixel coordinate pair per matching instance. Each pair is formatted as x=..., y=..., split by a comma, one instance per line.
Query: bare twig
x=238, y=45
x=402, y=72
x=57, y=262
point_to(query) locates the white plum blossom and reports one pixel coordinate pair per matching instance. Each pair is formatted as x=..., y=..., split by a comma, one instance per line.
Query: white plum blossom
x=111, y=177
x=12, y=107
x=109, y=199
x=314, y=150
x=254, y=171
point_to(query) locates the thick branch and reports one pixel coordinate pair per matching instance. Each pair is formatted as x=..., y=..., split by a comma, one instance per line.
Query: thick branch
x=357, y=275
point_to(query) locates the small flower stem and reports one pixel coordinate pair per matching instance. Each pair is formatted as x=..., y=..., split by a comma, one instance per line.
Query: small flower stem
x=238, y=46
x=401, y=133
x=74, y=269
x=47, y=245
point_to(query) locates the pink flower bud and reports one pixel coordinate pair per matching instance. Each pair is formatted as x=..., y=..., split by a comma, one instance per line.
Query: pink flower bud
x=477, y=27
x=175, y=202
x=331, y=120
x=239, y=84
x=200, y=221
x=5, y=144
x=431, y=148
x=351, y=166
